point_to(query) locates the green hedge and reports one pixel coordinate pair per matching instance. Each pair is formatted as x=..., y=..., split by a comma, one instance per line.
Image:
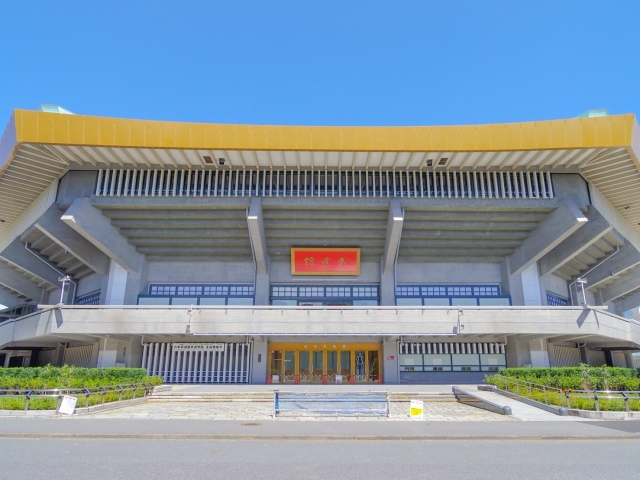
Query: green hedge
x=583, y=377
x=71, y=377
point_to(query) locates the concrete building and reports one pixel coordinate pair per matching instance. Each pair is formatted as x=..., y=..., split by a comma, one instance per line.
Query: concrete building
x=237, y=253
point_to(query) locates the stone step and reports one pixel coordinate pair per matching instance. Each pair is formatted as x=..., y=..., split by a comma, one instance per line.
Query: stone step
x=268, y=397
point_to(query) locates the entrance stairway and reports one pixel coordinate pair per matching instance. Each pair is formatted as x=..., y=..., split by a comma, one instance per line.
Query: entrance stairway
x=264, y=393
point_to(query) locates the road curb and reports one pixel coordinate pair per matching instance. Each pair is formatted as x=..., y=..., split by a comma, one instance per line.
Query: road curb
x=190, y=436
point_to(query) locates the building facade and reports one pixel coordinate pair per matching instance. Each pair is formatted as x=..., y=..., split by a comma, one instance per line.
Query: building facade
x=264, y=254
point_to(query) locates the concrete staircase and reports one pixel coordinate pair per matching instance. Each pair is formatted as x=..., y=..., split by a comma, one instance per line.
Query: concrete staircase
x=166, y=394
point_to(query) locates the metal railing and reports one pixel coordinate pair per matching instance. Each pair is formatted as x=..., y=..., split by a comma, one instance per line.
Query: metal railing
x=541, y=393
x=553, y=395
x=55, y=395
x=324, y=183
x=598, y=395
x=338, y=403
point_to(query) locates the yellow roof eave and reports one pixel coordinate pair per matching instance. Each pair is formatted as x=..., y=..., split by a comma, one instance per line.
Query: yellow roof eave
x=81, y=130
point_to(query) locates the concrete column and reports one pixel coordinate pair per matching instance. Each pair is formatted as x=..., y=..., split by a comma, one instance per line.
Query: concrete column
x=262, y=289
x=95, y=350
x=628, y=358
x=517, y=353
x=531, y=286
x=108, y=354
x=133, y=357
x=539, y=353
x=390, y=362
x=387, y=289
x=583, y=355
x=511, y=284
x=136, y=284
x=552, y=353
x=60, y=349
x=608, y=358
x=116, y=284
x=260, y=362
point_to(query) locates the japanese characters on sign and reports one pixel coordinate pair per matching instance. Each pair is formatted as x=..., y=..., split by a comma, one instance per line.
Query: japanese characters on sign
x=325, y=261
x=198, y=347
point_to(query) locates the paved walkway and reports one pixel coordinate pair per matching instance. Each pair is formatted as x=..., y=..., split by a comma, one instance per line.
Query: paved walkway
x=521, y=410
x=242, y=410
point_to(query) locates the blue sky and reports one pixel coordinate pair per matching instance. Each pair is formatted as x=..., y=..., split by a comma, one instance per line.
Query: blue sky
x=322, y=62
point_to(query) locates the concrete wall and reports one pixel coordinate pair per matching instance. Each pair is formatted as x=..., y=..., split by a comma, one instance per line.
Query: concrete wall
x=89, y=284
x=75, y=184
x=281, y=273
x=553, y=284
x=452, y=273
x=194, y=272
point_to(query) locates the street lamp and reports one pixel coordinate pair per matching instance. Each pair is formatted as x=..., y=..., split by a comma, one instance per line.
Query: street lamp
x=583, y=282
x=64, y=280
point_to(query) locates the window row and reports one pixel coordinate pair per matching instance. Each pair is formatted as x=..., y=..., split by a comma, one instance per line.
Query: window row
x=316, y=291
x=452, y=362
x=554, y=300
x=447, y=290
x=213, y=290
x=89, y=299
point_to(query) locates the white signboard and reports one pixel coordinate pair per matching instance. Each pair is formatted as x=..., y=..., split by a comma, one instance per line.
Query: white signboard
x=68, y=405
x=416, y=409
x=338, y=378
x=198, y=347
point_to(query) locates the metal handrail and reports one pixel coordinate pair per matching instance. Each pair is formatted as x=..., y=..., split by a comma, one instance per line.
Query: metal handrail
x=595, y=395
x=86, y=392
x=532, y=386
x=598, y=395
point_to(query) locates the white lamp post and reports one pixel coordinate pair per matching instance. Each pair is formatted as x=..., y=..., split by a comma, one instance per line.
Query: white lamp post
x=583, y=282
x=64, y=280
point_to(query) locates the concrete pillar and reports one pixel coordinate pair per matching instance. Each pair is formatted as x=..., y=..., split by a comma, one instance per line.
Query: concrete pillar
x=531, y=286
x=517, y=353
x=60, y=349
x=263, y=295
x=552, y=353
x=628, y=358
x=511, y=284
x=583, y=355
x=136, y=284
x=387, y=289
x=539, y=353
x=95, y=350
x=133, y=357
x=259, y=362
x=608, y=358
x=390, y=362
x=108, y=354
x=116, y=284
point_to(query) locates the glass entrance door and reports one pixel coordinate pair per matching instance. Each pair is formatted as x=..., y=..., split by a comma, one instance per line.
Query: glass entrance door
x=333, y=363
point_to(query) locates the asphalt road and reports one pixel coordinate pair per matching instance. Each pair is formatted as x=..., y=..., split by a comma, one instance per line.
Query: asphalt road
x=47, y=458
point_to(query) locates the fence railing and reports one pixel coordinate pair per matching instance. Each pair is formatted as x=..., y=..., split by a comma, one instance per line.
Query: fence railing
x=612, y=400
x=612, y=397
x=339, y=403
x=37, y=399
x=541, y=393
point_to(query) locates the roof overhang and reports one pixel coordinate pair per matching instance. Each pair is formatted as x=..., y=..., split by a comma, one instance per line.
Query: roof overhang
x=37, y=148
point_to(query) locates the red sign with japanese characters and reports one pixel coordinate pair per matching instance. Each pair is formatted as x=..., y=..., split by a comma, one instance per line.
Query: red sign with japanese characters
x=325, y=261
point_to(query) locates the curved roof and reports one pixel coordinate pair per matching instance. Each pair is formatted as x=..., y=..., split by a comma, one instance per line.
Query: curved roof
x=39, y=147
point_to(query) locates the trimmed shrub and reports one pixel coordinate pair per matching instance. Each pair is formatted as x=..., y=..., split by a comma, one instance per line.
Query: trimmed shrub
x=583, y=377
x=48, y=377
